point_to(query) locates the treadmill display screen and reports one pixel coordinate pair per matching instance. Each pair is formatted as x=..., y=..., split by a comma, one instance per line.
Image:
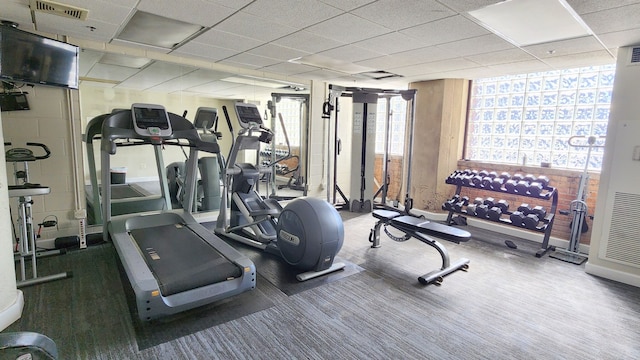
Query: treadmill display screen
x=146, y=117
x=151, y=120
x=248, y=114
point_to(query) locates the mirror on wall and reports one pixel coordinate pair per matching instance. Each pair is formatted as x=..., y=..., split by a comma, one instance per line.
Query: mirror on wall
x=110, y=82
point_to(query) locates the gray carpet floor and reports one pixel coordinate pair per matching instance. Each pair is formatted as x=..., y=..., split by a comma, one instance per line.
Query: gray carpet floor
x=509, y=305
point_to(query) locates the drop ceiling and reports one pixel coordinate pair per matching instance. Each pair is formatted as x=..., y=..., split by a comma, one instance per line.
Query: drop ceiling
x=415, y=39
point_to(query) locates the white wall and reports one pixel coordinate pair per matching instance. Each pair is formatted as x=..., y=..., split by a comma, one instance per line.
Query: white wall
x=620, y=174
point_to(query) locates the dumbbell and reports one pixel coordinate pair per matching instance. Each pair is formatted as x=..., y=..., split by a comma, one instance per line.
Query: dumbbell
x=471, y=209
x=486, y=182
x=531, y=222
x=490, y=202
x=478, y=201
x=483, y=173
x=482, y=211
x=543, y=180
x=496, y=184
x=539, y=211
x=448, y=205
x=535, y=188
x=510, y=186
x=522, y=187
x=516, y=218
x=503, y=205
x=476, y=180
x=517, y=177
x=525, y=209
x=495, y=213
x=451, y=179
x=493, y=175
x=529, y=178
x=464, y=201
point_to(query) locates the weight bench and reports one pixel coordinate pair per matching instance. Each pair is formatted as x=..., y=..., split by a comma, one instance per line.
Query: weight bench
x=421, y=229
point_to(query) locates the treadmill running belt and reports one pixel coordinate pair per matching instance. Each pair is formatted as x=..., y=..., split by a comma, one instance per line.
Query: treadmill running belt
x=124, y=192
x=181, y=260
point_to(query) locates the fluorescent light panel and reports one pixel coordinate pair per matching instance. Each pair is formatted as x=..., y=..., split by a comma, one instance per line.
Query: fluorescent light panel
x=154, y=30
x=529, y=22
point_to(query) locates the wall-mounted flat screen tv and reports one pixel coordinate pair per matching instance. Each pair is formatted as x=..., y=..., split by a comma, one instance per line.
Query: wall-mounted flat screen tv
x=35, y=59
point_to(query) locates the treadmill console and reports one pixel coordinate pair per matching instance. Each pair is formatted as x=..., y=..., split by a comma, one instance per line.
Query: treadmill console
x=248, y=114
x=151, y=120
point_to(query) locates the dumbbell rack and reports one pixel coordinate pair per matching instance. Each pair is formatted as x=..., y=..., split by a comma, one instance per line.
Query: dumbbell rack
x=547, y=193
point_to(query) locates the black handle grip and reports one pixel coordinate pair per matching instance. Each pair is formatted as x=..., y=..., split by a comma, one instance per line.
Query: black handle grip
x=44, y=147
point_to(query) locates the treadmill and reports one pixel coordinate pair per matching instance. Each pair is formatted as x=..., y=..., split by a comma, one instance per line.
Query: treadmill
x=125, y=198
x=171, y=261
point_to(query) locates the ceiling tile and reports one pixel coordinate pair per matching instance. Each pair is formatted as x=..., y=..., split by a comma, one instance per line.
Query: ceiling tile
x=299, y=15
x=436, y=66
x=589, y=6
x=111, y=72
x=467, y=5
x=592, y=58
x=347, y=5
x=277, y=52
x=350, y=53
x=155, y=74
x=87, y=59
x=254, y=27
x=392, y=43
x=522, y=67
x=307, y=41
x=213, y=37
x=321, y=74
x=288, y=68
x=235, y=4
x=617, y=19
x=621, y=38
x=203, y=51
x=390, y=14
x=348, y=28
x=446, y=30
x=564, y=47
x=501, y=57
x=213, y=86
x=190, y=80
x=477, y=45
x=203, y=13
x=418, y=56
x=249, y=61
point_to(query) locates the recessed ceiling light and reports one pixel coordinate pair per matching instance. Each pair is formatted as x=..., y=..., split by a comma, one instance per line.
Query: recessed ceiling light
x=154, y=30
x=529, y=22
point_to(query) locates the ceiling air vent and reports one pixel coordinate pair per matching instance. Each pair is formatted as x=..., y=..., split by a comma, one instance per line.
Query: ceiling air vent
x=635, y=55
x=52, y=7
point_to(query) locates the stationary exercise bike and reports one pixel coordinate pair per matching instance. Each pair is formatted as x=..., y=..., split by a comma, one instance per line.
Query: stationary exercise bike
x=24, y=190
x=307, y=233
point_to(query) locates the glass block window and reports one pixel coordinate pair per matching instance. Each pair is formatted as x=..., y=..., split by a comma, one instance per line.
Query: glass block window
x=398, y=120
x=532, y=116
x=291, y=111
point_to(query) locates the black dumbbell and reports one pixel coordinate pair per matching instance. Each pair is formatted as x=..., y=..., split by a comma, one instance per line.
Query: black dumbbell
x=510, y=186
x=478, y=201
x=448, y=205
x=483, y=173
x=476, y=180
x=529, y=178
x=451, y=179
x=531, y=222
x=535, y=188
x=525, y=209
x=521, y=187
x=464, y=201
x=543, y=180
x=495, y=213
x=503, y=205
x=466, y=180
x=496, y=184
x=486, y=182
x=471, y=209
x=493, y=175
x=516, y=218
x=490, y=202
x=539, y=211
x=482, y=211
x=517, y=177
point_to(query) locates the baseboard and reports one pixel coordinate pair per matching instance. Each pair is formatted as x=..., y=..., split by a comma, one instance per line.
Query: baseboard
x=13, y=312
x=611, y=274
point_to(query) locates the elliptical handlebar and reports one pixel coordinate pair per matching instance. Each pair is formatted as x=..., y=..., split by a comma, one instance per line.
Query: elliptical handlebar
x=24, y=154
x=44, y=147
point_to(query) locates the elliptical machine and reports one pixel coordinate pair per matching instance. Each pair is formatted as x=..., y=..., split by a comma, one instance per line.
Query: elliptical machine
x=307, y=233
